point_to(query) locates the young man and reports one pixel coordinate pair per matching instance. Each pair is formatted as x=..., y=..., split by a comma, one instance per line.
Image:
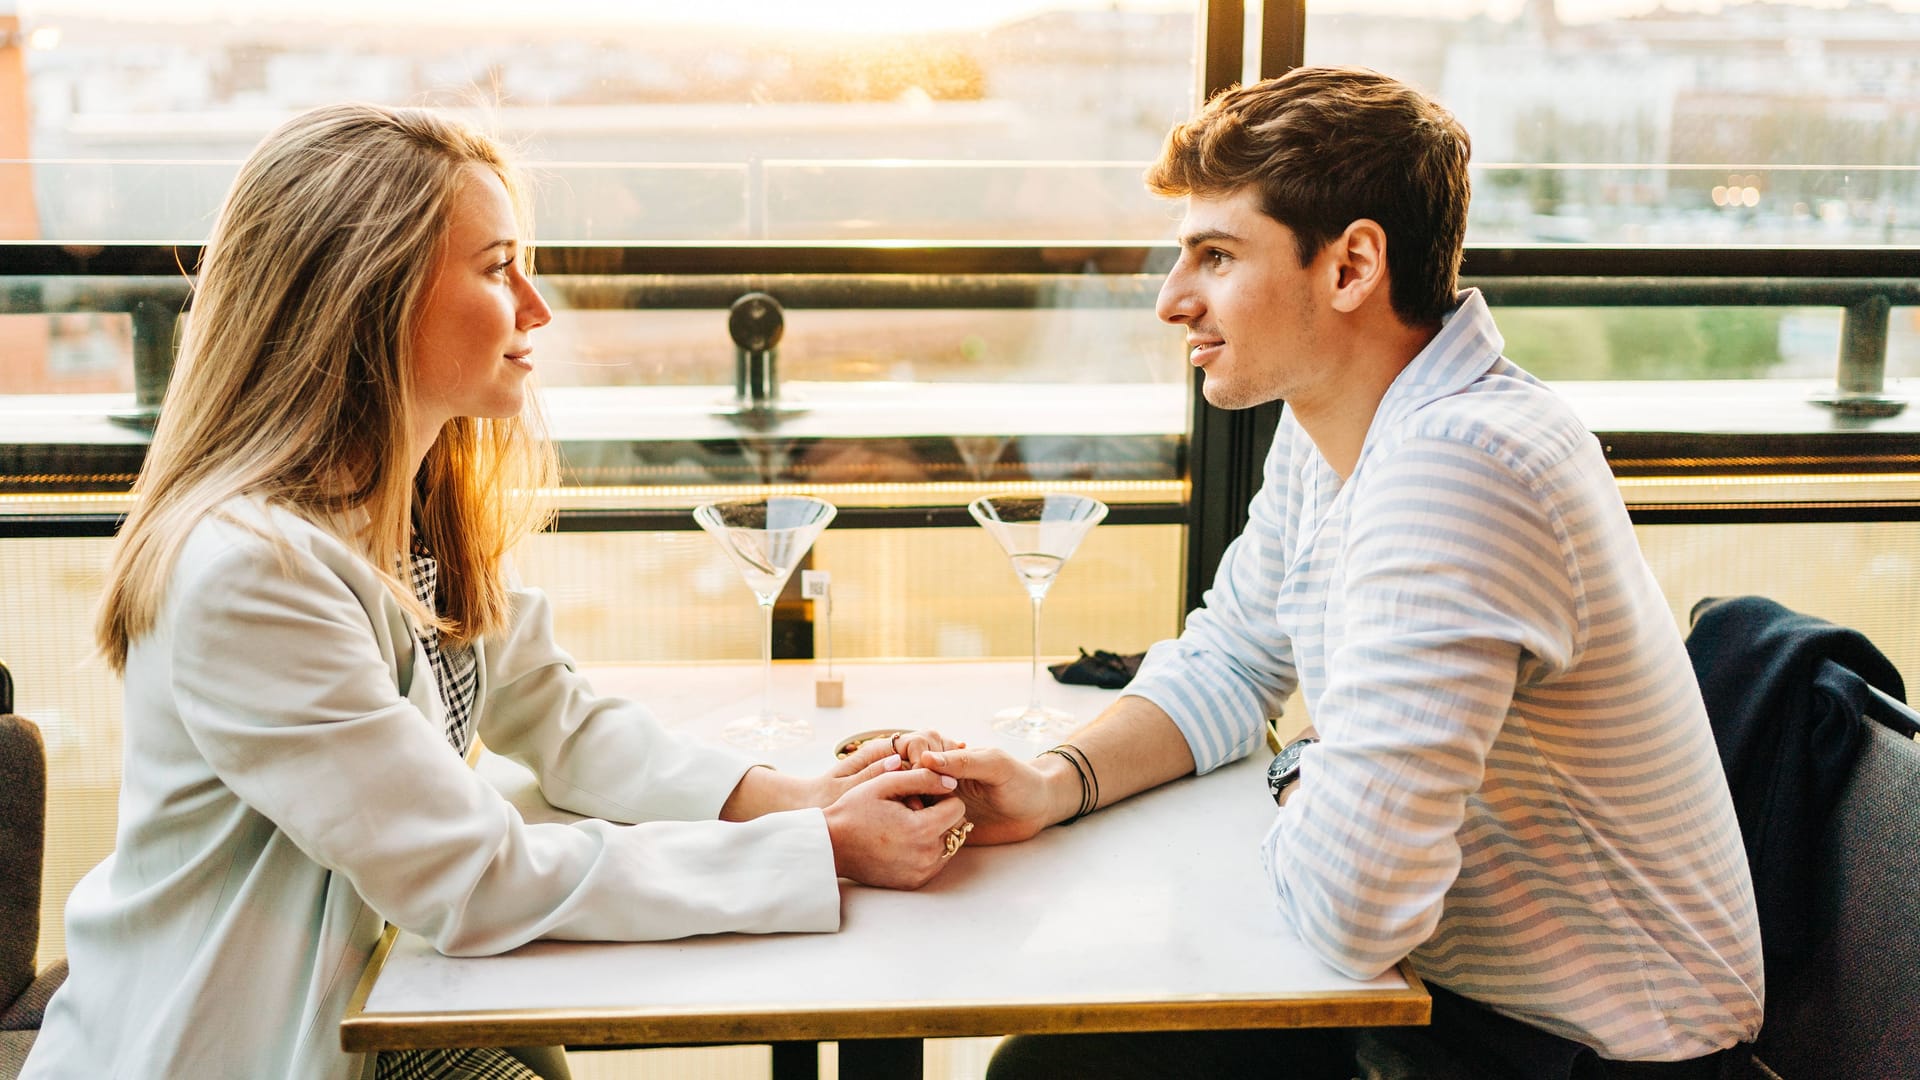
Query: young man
x=1513, y=781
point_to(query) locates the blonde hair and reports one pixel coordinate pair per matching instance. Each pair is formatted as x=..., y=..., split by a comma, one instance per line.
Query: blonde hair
x=295, y=378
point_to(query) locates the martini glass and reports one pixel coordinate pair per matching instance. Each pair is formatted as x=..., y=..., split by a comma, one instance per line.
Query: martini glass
x=1038, y=533
x=766, y=539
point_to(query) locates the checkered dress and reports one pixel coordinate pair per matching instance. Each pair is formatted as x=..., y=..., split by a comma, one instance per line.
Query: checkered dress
x=456, y=679
x=486, y=1063
x=456, y=673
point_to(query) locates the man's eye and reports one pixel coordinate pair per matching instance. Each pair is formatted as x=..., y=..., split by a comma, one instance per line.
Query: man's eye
x=1217, y=258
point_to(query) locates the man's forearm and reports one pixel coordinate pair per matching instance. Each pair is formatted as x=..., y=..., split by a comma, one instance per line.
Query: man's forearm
x=1132, y=746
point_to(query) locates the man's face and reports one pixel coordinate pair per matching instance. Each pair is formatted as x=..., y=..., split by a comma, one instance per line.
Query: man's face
x=1250, y=310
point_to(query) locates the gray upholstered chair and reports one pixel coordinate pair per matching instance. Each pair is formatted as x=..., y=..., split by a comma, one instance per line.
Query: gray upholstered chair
x=1852, y=1011
x=24, y=989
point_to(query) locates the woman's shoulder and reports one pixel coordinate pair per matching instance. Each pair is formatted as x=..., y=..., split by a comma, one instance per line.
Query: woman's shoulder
x=251, y=531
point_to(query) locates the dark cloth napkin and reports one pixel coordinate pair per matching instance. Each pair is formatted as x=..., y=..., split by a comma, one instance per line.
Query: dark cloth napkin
x=1109, y=671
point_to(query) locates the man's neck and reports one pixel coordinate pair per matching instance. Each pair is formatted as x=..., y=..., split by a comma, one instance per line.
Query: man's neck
x=1338, y=420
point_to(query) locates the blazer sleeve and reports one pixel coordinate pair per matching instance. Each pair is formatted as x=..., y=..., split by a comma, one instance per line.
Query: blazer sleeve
x=280, y=683
x=603, y=757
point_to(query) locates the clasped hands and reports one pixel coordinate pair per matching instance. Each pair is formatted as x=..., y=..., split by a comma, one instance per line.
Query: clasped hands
x=902, y=806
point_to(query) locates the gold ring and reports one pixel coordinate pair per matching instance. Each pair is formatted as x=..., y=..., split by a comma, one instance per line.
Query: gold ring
x=955, y=837
x=896, y=746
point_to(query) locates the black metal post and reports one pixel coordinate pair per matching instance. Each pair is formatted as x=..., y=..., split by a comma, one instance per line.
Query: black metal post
x=1861, y=380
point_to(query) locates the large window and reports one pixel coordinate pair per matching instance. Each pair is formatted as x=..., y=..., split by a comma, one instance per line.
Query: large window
x=745, y=120
x=733, y=123
x=1628, y=122
x=1631, y=121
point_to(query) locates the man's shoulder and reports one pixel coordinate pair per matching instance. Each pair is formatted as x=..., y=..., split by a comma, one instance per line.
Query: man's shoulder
x=1506, y=414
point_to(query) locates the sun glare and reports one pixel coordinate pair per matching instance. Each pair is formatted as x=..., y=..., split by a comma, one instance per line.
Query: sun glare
x=830, y=18
x=827, y=17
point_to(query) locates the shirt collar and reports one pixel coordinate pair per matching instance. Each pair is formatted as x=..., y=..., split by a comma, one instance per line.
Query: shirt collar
x=1467, y=347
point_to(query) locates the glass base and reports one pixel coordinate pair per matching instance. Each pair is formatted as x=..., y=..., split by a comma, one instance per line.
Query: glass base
x=766, y=732
x=1035, y=723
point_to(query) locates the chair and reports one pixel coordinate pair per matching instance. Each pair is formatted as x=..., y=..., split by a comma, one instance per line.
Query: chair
x=24, y=989
x=1852, y=1010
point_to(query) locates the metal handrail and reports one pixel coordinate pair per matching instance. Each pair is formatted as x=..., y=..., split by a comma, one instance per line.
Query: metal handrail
x=150, y=283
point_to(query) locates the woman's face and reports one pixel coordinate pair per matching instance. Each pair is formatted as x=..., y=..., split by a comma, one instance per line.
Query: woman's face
x=472, y=345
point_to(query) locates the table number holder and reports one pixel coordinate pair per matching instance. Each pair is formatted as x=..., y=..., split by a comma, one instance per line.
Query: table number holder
x=829, y=690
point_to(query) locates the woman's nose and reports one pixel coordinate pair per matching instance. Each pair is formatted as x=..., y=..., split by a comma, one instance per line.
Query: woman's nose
x=534, y=312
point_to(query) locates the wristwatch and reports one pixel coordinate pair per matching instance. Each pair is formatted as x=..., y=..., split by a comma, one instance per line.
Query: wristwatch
x=1286, y=765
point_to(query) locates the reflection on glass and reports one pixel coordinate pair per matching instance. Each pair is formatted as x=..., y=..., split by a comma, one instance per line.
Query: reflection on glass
x=1635, y=122
x=1039, y=534
x=728, y=120
x=766, y=539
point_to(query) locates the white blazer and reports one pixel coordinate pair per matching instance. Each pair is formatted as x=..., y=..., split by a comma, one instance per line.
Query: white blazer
x=288, y=790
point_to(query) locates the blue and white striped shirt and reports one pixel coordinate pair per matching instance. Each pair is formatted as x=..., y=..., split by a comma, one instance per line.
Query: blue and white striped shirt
x=1516, y=784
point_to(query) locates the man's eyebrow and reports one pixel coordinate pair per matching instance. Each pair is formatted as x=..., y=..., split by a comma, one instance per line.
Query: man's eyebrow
x=1208, y=236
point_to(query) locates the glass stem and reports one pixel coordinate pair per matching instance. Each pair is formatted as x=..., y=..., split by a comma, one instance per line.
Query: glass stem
x=766, y=667
x=1033, y=682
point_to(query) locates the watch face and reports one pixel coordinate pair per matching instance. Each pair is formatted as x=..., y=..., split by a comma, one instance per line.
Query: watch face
x=1276, y=775
x=1286, y=766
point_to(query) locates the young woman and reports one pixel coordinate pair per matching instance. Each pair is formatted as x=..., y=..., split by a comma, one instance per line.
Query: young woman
x=309, y=609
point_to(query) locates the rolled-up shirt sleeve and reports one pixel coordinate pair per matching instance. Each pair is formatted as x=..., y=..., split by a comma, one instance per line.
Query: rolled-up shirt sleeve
x=1232, y=667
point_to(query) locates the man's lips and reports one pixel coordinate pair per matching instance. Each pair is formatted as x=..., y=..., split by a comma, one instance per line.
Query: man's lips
x=1200, y=351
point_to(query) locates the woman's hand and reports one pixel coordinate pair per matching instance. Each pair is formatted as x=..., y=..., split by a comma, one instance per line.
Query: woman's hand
x=762, y=790
x=881, y=837
x=911, y=745
x=876, y=757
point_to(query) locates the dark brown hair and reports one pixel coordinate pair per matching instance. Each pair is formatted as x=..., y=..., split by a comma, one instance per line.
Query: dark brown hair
x=1327, y=147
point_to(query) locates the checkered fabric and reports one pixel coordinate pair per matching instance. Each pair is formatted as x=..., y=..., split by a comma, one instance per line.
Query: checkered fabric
x=456, y=679
x=486, y=1063
x=456, y=673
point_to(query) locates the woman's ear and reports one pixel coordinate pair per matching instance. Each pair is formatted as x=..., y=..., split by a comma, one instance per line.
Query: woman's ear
x=1360, y=265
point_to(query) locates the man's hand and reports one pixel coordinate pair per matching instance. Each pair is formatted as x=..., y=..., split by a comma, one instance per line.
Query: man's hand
x=1130, y=747
x=892, y=831
x=1008, y=799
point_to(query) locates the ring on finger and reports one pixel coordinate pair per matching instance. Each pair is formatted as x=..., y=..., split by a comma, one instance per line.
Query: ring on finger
x=896, y=746
x=955, y=837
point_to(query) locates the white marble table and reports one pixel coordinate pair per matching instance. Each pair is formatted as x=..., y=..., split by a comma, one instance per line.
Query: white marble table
x=1150, y=915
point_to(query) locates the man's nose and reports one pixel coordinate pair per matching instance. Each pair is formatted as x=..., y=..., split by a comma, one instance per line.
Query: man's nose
x=1177, y=302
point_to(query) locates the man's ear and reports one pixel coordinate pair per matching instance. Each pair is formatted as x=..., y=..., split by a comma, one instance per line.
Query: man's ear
x=1360, y=265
